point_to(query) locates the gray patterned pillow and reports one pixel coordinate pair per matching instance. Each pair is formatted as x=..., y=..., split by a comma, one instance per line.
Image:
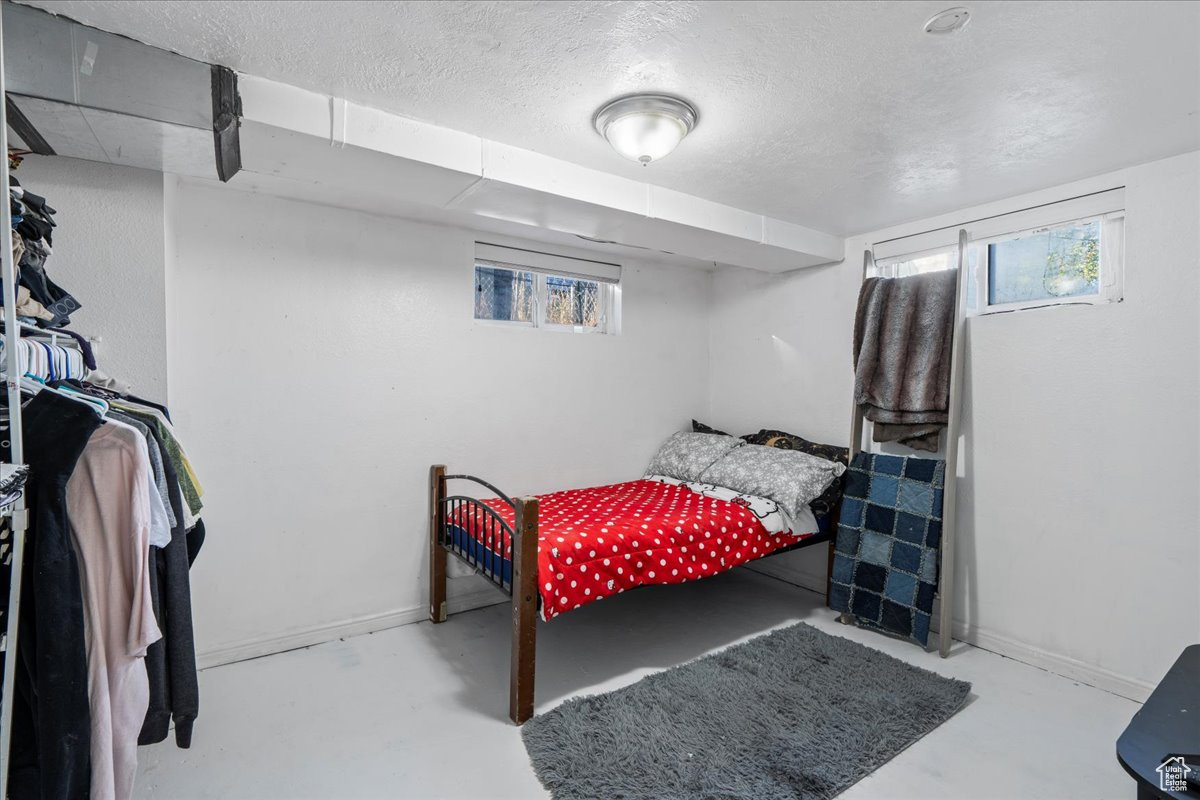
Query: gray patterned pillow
x=686, y=455
x=790, y=478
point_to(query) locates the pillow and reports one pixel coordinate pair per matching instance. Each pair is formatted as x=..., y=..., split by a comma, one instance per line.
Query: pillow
x=685, y=456
x=790, y=441
x=790, y=478
x=828, y=500
x=700, y=427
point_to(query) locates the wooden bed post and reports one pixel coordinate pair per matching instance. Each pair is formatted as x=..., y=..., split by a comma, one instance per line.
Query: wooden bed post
x=437, y=553
x=524, y=609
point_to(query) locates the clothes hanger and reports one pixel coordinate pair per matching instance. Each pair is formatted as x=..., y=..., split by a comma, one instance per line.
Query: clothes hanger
x=32, y=384
x=99, y=402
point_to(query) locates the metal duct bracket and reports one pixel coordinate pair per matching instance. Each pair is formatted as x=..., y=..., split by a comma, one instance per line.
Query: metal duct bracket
x=226, y=118
x=78, y=91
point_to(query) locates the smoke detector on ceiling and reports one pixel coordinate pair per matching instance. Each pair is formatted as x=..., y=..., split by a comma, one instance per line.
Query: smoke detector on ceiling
x=952, y=20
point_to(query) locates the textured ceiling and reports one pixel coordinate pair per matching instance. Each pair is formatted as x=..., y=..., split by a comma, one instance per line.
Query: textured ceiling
x=844, y=117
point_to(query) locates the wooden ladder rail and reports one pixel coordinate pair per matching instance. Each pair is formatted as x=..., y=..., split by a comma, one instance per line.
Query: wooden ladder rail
x=950, y=489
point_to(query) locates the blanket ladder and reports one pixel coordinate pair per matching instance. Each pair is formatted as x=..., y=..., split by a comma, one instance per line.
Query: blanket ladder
x=945, y=594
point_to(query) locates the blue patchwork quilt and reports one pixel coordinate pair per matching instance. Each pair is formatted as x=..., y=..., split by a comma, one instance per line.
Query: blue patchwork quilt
x=885, y=566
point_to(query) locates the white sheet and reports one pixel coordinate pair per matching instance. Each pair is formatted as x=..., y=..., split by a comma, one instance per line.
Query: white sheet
x=772, y=517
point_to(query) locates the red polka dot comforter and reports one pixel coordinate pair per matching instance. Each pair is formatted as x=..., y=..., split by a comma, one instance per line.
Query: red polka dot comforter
x=600, y=541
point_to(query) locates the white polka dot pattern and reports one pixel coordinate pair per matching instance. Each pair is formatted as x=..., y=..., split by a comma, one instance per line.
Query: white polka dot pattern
x=601, y=541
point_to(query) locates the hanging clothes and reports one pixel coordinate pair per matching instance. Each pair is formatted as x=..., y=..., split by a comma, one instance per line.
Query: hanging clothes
x=106, y=648
x=85, y=347
x=195, y=540
x=50, y=362
x=51, y=739
x=162, y=519
x=108, y=500
x=189, y=484
x=171, y=662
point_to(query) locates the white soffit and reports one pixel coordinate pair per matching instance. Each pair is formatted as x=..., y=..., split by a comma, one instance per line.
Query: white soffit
x=295, y=141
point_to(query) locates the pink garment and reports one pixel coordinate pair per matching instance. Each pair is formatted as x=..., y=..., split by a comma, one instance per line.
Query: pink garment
x=109, y=507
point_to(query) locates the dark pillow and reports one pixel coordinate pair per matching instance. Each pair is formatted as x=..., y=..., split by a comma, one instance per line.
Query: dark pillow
x=700, y=427
x=824, y=504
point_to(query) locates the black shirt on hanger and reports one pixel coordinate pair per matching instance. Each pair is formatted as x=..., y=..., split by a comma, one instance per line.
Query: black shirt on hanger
x=51, y=742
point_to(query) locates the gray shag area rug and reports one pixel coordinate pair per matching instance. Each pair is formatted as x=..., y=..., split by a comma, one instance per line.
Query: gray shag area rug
x=793, y=714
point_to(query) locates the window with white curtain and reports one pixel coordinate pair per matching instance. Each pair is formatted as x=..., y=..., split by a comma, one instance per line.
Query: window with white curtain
x=1067, y=261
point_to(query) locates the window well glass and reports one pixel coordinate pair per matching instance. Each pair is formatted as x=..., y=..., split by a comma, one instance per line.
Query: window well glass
x=572, y=301
x=502, y=293
x=1046, y=264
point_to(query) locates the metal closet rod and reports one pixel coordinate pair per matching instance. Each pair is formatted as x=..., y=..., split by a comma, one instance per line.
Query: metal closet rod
x=962, y=225
x=57, y=338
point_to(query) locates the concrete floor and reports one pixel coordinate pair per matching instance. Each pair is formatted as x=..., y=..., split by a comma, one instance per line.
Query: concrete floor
x=392, y=714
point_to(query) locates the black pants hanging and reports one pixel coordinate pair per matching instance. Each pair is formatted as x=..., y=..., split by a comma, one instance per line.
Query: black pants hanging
x=51, y=742
x=171, y=661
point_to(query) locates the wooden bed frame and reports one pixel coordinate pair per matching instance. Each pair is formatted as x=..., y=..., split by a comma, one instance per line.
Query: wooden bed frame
x=522, y=582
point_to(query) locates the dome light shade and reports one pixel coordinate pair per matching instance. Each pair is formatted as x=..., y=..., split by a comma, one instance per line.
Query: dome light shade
x=645, y=127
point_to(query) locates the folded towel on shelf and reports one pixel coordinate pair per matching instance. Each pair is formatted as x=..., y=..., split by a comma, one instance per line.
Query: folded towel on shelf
x=903, y=332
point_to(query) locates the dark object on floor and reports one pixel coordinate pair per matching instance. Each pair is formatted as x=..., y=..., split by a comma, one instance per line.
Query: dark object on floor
x=1163, y=738
x=794, y=714
x=885, y=563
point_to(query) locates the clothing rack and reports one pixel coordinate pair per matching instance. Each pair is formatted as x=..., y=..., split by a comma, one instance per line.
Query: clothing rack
x=945, y=594
x=18, y=516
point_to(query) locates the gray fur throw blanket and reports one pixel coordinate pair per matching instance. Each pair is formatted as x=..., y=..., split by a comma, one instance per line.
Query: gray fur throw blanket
x=903, y=332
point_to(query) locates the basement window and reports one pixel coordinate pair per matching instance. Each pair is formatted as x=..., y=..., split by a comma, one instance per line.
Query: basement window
x=541, y=290
x=1065, y=264
x=1070, y=261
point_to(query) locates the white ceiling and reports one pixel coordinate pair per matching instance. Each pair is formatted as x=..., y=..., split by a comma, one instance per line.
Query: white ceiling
x=844, y=117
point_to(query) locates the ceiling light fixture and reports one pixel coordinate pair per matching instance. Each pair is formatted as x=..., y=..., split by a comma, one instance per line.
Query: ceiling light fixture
x=645, y=127
x=952, y=20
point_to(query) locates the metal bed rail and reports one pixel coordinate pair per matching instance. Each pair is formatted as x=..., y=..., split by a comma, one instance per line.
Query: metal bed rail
x=477, y=534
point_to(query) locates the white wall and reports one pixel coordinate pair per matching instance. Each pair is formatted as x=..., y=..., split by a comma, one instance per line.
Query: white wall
x=1079, y=545
x=108, y=253
x=322, y=359
x=1080, y=536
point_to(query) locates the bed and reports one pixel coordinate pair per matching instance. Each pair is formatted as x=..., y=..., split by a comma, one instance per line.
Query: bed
x=556, y=552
